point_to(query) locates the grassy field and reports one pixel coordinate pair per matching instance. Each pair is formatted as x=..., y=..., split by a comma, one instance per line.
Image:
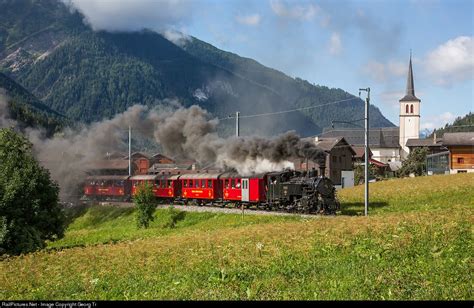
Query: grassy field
x=416, y=244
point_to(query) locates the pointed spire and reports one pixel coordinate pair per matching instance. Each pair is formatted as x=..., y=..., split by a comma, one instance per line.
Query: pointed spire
x=410, y=92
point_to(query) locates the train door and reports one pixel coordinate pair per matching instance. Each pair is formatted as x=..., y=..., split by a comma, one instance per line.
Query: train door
x=245, y=190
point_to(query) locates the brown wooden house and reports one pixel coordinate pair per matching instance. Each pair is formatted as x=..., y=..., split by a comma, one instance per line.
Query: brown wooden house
x=461, y=151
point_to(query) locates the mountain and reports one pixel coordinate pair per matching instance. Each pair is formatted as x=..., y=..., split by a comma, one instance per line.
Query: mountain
x=90, y=75
x=28, y=110
x=460, y=124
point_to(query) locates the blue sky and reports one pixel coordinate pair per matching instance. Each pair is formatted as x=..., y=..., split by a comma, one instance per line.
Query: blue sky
x=337, y=43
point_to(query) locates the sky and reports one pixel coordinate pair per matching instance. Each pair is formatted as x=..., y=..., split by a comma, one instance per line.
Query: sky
x=337, y=43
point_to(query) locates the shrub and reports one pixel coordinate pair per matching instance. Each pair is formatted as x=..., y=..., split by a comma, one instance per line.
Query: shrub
x=145, y=203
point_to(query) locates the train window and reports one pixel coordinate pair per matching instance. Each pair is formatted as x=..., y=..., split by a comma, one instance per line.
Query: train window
x=163, y=184
x=209, y=183
x=460, y=160
x=226, y=183
x=169, y=183
x=232, y=183
x=119, y=183
x=196, y=183
x=191, y=184
x=237, y=183
x=185, y=183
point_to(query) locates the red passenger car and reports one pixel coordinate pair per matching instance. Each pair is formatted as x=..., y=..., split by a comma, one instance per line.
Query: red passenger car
x=200, y=186
x=245, y=189
x=164, y=186
x=108, y=187
x=231, y=184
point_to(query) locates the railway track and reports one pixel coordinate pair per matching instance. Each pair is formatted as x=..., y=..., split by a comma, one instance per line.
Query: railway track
x=212, y=209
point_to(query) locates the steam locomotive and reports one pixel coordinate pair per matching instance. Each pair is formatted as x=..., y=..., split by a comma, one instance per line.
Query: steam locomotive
x=291, y=191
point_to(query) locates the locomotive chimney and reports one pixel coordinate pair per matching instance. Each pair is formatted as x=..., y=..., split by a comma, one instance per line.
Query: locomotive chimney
x=322, y=168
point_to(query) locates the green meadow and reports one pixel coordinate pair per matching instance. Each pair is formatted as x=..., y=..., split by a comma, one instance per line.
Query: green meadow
x=415, y=244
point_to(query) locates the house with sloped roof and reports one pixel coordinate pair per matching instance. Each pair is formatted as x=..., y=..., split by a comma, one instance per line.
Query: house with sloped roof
x=339, y=154
x=383, y=142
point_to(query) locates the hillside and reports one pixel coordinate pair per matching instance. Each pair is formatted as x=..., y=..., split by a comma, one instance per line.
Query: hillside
x=27, y=109
x=461, y=124
x=416, y=244
x=90, y=75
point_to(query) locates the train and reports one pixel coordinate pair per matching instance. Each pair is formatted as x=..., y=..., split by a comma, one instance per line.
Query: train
x=287, y=190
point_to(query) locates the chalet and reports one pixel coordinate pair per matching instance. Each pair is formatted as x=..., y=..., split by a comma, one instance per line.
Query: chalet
x=159, y=158
x=339, y=155
x=141, y=162
x=461, y=151
x=458, y=158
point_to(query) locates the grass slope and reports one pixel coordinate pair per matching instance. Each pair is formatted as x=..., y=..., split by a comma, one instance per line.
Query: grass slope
x=417, y=244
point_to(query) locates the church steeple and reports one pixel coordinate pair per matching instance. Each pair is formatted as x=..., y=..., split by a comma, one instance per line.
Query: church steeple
x=410, y=92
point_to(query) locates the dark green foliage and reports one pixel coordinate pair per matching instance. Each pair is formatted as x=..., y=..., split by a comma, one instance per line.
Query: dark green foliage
x=91, y=75
x=359, y=173
x=28, y=110
x=415, y=163
x=145, y=202
x=461, y=124
x=29, y=209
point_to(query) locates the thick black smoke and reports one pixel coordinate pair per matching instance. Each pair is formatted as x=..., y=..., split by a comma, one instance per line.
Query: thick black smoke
x=183, y=133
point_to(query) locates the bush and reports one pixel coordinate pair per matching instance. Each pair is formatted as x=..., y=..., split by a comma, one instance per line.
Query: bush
x=29, y=206
x=415, y=163
x=145, y=202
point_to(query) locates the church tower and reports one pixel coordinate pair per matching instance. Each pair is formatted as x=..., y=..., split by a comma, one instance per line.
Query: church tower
x=409, y=114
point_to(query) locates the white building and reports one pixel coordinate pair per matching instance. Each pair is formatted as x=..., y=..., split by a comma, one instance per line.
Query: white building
x=409, y=115
x=389, y=144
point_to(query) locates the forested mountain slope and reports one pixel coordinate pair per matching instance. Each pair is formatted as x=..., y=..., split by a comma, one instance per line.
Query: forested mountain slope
x=90, y=75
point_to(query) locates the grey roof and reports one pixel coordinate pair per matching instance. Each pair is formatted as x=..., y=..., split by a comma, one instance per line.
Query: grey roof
x=384, y=137
x=327, y=144
x=458, y=139
x=424, y=142
x=410, y=92
x=360, y=151
x=107, y=177
x=108, y=164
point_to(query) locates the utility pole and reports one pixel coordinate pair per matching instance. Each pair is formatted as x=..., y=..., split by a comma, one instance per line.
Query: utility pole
x=237, y=128
x=129, y=151
x=366, y=154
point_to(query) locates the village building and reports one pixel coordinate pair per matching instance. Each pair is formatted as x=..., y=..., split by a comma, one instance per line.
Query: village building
x=383, y=142
x=391, y=145
x=434, y=145
x=459, y=157
x=339, y=156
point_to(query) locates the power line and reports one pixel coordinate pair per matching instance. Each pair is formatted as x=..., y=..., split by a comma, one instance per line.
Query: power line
x=287, y=111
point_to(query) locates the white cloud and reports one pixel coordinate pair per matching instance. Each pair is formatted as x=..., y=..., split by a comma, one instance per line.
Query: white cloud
x=249, y=20
x=391, y=98
x=178, y=38
x=437, y=121
x=131, y=15
x=302, y=12
x=335, y=44
x=382, y=72
x=452, y=61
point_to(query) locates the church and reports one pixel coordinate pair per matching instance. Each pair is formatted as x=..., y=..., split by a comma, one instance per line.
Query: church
x=390, y=145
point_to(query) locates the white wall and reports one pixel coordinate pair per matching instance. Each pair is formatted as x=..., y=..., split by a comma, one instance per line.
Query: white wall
x=384, y=154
